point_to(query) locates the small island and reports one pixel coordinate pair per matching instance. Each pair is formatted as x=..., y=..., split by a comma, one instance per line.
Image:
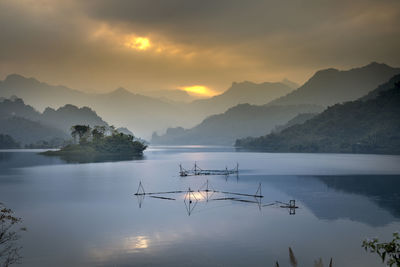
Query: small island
x=99, y=141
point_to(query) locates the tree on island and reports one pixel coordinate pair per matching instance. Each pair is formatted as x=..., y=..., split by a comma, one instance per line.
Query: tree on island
x=98, y=132
x=79, y=130
x=100, y=140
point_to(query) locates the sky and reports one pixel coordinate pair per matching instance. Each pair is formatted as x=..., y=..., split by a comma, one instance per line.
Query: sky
x=99, y=45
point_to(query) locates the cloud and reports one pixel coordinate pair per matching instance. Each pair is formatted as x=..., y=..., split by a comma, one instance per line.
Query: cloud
x=99, y=45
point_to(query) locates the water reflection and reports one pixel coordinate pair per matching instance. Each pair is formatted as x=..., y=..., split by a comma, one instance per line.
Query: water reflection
x=20, y=158
x=97, y=158
x=190, y=200
x=136, y=243
x=371, y=199
x=27, y=158
x=381, y=189
x=127, y=245
x=207, y=193
x=86, y=214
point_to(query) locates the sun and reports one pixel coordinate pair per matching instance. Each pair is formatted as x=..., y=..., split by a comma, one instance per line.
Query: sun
x=139, y=43
x=199, y=90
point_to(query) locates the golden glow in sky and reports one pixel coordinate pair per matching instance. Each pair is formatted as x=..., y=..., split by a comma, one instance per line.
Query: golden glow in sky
x=199, y=90
x=139, y=43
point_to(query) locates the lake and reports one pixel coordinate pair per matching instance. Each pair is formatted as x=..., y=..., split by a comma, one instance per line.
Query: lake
x=86, y=214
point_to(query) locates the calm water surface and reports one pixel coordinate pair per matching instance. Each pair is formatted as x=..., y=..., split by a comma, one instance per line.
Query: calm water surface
x=86, y=214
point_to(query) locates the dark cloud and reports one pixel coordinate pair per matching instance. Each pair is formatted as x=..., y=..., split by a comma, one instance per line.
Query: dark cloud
x=212, y=42
x=224, y=18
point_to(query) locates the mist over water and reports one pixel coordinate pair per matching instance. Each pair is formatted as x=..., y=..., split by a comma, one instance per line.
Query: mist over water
x=81, y=214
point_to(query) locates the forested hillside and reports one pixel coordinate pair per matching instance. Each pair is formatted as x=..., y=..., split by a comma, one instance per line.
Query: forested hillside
x=370, y=126
x=237, y=122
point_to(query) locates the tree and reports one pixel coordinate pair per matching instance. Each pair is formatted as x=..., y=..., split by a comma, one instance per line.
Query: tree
x=81, y=131
x=9, y=250
x=98, y=132
x=112, y=130
x=389, y=251
x=97, y=143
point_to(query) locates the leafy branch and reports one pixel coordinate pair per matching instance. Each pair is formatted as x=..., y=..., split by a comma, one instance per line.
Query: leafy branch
x=9, y=250
x=389, y=251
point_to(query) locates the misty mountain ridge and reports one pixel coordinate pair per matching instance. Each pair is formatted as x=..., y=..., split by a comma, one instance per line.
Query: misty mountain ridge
x=40, y=94
x=299, y=119
x=331, y=86
x=28, y=125
x=170, y=96
x=241, y=120
x=381, y=88
x=120, y=107
x=29, y=132
x=290, y=83
x=145, y=114
x=16, y=107
x=62, y=118
x=241, y=93
x=23, y=123
x=370, y=125
x=211, y=130
x=65, y=117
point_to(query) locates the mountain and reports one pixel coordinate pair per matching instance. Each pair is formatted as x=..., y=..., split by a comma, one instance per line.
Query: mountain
x=240, y=93
x=62, y=118
x=40, y=94
x=27, y=125
x=383, y=87
x=23, y=123
x=170, y=96
x=29, y=132
x=65, y=117
x=326, y=87
x=146, y=114
x=7, y=142
x=124, y=130
x=142, y=114
x=299, y=119
x=289, y=83
x=16, y=107
x=240, y=121
x=332, y=86
x=361, y=126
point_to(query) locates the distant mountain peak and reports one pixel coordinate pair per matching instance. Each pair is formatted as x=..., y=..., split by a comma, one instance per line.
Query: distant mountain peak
x=326, y=71
x=330, y=86
x=374, y=63
x=121, y=90
x=16, y=99
x=19, y=79
x=245, y=82
x=373, y=66
x=290, y=83
x=14, y=76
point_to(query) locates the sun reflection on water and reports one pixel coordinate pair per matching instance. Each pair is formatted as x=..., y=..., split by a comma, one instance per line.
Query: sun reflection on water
x=136, y=243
